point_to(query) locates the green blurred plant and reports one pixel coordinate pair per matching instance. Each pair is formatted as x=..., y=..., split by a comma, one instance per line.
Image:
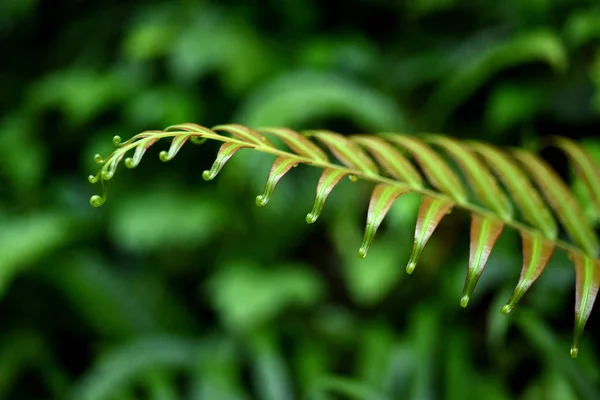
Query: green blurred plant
x=187, y=291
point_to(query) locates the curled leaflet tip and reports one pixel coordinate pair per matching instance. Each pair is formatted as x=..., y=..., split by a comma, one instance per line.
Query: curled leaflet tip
x=464, y=301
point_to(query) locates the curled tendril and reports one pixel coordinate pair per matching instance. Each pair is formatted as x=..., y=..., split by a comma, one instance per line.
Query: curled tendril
x=117, y=140
x=164, y=156
x=97, y=201
x=132, y=162
x=98, y=159
x=107, y=175
x=108, y=172
x=226, y=151
x=280, y=167
x=176, y=144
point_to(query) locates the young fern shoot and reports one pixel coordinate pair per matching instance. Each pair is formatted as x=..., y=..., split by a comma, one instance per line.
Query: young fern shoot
x=543, y=199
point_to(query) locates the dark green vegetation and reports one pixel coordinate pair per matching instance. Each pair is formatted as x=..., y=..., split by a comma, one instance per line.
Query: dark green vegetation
x=181, y=289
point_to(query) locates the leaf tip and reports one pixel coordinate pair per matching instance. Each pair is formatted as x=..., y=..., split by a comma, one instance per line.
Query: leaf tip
x=507, y=309
x=311, y=218
x=261, y=200
x=464, y=301
x=97, y=201
x=164, y=156
x=411, y=267
x=362, y=252
x=129, y=163
x=98, y=159
x=207, y=175
x=574, y=351
x=107, y=174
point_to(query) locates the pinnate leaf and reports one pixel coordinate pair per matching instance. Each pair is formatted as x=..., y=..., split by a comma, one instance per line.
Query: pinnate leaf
x=536, y=254
x=245, y=134
x=481, y=179
x=586, y=168
x=523, y=193
x=176, y=144
x=226, y=151
x=329, y=178
x=392, y=161
x=382, y=160
x=382, y=199
x=431, y=212
x=280, y=167
x=348, y=152
x=437, y=170
x=298, y=143
x=484, y=233
x=562, y=201
x=587, y=275
x=132, y=162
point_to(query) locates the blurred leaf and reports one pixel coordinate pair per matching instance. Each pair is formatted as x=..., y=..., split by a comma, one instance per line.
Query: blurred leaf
x=248, y=296
x=369, y=280
x=459, y=373
x=169, y=106
x=425, y=326
x=352, y=54
x=400, y=366
x=543, y=45
x=513, y=104
x=422, y=8
x=297, y=98
x=377, y=344
x=11, y=11
x=498, y=323
x=160, y=384
x=101, y=296
x=153, y=32
x=215, y=41
x=219, y=378
x=144, y=222
x=129, y=362
x=269, y=371
x=595, y=75
x=24, y=159
x=582, y=27
x=349, y=388
x=551, y=350
x=25, y=351
x=26, y=240
x=311, y=360
x=553, y=386
x=80, y=94
x=410, y=72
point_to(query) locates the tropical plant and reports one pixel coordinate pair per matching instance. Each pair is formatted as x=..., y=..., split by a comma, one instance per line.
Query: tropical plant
x=514, y=188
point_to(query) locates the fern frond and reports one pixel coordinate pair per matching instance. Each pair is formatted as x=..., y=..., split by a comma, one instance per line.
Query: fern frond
x=500, y=181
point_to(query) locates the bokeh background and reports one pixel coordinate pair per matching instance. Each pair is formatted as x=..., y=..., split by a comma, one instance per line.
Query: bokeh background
x=181, y=289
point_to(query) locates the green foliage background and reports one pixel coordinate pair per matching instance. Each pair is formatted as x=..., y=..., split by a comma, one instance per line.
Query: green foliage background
x=180, y=289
